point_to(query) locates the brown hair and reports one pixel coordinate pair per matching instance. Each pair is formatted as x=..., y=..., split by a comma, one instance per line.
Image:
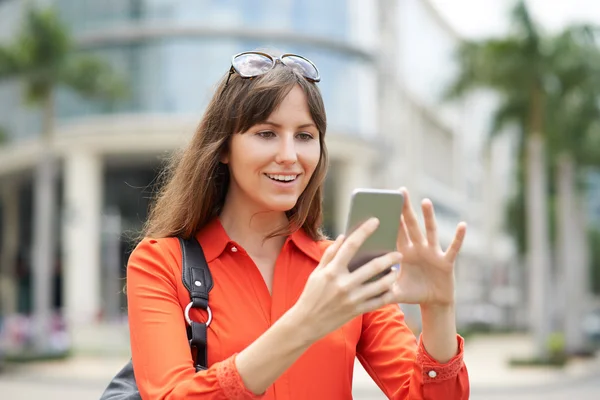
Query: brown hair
x=196, y=182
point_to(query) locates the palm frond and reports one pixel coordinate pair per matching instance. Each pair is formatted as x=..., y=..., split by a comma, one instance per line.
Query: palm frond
x=93, y=77
x=513, y=110
x=524, y=26
x=496, y=63
x=44, y=38
x=10, y=62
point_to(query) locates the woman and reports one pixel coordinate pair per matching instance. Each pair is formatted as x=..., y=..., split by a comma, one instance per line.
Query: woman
x=289, y=319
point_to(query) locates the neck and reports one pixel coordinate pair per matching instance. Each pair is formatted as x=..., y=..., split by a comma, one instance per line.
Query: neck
x=249, y=227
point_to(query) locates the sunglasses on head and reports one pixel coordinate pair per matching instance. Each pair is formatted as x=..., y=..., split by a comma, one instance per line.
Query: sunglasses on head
x=251, y=64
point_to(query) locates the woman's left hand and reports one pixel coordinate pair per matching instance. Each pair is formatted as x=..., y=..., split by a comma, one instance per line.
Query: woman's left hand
x=426, y=275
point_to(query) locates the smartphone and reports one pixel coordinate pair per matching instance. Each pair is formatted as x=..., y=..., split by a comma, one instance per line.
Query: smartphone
x=385, y=205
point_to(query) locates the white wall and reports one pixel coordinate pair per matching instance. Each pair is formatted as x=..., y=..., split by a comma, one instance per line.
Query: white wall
x=425, y=61
x=444, y=145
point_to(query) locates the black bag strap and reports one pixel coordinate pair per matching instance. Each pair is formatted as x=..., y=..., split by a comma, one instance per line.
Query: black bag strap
x=197, y=279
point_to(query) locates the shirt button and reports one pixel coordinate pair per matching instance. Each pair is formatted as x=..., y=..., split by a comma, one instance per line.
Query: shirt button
x=432, y=374
x=234, y=249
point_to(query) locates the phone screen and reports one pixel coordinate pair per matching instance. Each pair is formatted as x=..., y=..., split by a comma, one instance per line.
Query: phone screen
x=385, y=205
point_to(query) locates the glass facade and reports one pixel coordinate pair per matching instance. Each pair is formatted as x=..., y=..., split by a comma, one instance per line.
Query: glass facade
x=177, y=74
x=310, y=17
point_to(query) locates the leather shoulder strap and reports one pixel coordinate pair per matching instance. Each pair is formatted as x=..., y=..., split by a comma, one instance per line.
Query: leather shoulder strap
x=197, y=279
x=195, y=272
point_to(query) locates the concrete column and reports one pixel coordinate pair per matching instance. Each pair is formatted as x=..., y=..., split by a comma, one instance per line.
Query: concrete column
x=83, y=178
x=8, y=248
x=353, y=173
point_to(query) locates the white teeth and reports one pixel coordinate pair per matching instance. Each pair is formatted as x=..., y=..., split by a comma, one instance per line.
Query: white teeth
x=284, y=178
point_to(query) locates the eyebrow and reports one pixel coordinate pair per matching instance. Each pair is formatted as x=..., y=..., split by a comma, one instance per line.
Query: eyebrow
x=276, y=125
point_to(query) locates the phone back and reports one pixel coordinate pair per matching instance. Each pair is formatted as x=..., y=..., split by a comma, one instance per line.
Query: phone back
x=385, y=205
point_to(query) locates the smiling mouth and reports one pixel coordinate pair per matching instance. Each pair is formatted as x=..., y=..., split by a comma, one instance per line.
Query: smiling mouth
x=282, y=178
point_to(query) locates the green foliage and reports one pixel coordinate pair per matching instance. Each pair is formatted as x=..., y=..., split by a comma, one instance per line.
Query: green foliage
x=557, y=356
x=92, y=78
x=594, y=238
x=548, y=84
x=574, y=110
x=588, y=152
x=514, y=66
x=516, y=207
x=43, y=57
x=556, y=343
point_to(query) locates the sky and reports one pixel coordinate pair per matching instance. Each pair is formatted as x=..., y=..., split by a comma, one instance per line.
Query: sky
x=481, y=18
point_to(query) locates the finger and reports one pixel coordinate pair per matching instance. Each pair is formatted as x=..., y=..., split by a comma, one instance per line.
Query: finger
x=403, y=239
x=376, y=303
x=353, y=242
x=331, y=251
x=430, y=223
x=374, y=267
x=459, y=237
x=410, y=218
x=372, y=289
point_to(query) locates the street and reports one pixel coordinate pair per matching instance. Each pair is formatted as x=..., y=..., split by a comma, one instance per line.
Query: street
x=15, y=387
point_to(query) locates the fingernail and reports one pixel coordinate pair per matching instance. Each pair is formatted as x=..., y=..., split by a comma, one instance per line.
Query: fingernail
x=374, y=221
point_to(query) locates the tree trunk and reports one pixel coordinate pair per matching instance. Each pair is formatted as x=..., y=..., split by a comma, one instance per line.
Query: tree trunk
x=571, y=260
x=538, y=243
x=583, y=251
x=44, y=231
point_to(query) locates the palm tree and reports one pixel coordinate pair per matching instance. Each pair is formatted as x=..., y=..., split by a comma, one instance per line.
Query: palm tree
x=43, y=58
x=574, y=112
x=516, y=68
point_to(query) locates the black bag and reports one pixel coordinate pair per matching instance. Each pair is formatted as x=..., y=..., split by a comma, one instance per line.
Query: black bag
x=198, y=280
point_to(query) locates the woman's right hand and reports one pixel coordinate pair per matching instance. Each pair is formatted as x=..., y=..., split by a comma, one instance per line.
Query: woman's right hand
x=333, y=295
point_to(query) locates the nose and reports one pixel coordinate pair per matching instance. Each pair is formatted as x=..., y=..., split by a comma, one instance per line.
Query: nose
x=286, y=153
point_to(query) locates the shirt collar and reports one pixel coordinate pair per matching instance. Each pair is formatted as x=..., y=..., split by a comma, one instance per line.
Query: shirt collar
x=306, y=244
x=214, y=241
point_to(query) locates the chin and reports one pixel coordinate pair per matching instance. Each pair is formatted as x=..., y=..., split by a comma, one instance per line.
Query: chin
x=281, y=205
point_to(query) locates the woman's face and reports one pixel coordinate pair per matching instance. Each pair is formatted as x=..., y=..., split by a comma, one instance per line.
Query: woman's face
x=271, y=164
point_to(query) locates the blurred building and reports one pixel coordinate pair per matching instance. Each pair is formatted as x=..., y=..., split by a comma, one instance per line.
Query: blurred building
x=442, y=151
x=383, y=64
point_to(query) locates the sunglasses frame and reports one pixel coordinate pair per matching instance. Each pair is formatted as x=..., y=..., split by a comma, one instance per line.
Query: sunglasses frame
x=274, y=61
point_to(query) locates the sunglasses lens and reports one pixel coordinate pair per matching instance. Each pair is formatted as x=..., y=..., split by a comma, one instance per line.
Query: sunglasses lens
x=252, y=64
x=302, y=66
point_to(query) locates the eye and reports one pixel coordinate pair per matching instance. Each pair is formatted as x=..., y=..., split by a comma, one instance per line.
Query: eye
x=266, y=134
x=304, y=136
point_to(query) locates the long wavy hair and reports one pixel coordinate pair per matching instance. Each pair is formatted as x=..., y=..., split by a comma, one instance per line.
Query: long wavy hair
x=195, y=183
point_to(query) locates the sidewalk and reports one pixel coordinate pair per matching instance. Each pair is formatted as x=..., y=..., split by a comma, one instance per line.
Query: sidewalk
x=486, y=358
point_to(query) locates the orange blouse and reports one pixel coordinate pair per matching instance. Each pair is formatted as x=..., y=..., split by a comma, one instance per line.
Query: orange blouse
x=243, y=309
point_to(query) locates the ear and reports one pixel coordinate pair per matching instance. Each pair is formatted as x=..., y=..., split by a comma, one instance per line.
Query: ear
x=224, y=159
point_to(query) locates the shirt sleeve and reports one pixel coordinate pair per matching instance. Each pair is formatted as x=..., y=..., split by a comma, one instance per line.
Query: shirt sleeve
x=162, y=360
x=401, y=367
